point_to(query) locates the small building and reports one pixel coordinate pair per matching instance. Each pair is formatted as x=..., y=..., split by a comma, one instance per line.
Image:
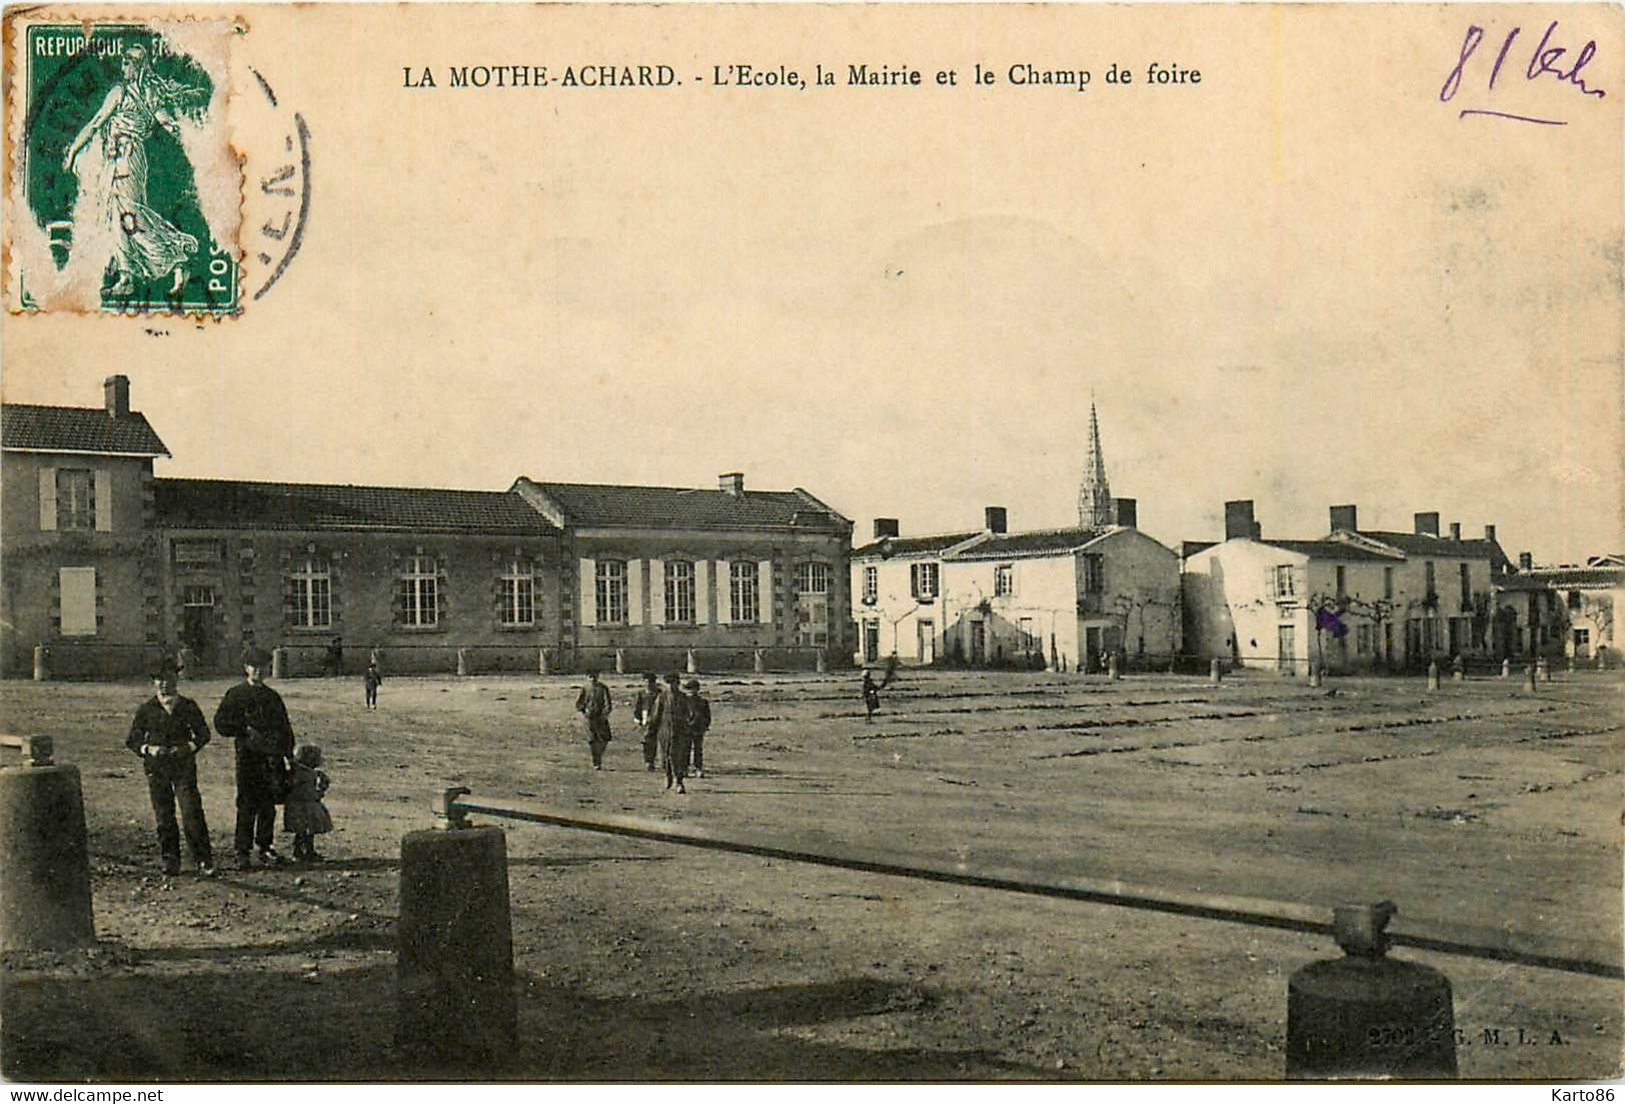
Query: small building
x=78, y=575
x=1060, y=598
x=654, y=573
x=1562, y=609
x=1353, y=600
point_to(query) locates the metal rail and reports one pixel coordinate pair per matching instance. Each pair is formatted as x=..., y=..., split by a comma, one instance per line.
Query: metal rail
x=1576, y=956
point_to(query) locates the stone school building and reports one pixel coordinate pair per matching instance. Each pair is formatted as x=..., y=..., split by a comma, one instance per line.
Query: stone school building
x=107, y=567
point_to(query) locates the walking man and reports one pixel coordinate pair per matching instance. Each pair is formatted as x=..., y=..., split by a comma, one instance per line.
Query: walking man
x=594, y=703
x=699, y=721
x=168, y=731
x=669, y=721
x=253, y=715
x=641, y=711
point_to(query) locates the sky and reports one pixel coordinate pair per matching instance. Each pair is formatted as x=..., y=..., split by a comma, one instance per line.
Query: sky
x=1304, y=281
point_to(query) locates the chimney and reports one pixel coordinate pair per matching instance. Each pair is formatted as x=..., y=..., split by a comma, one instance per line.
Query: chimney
x=117, y=392
x=1345, y=519
x=1489, y=533
x=1526, y=561
x=885, y=527
x=995, y=519
x=732, y=483
x=1258, y=530
x=1455, y=530
x=1238, y=519
x=1427, y=525
x=1126, y=511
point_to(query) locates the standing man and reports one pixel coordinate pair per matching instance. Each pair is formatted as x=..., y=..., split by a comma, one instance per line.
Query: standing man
x=253, y=715
x=641, y=710
x=333, y=663
x=668, y=720
x=594, y=703
x=699, y=720
x=168, y=731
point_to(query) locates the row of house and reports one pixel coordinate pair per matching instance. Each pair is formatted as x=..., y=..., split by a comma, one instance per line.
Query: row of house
x=107, y=565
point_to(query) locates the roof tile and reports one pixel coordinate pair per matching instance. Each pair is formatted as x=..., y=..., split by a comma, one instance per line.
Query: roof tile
x=77, y=429
x=233, y=504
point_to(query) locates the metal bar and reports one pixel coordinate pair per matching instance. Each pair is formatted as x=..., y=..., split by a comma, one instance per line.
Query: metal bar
x=1497, y=946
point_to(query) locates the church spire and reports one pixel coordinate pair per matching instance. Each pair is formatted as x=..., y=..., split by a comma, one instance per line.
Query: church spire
x=1094, y=495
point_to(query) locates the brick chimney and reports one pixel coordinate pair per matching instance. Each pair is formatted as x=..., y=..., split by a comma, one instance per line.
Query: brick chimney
x=1526, y=561
x=1126, y=512
x=996, y=519
x=732, y=483
x=1238, y=520
x=1345, y=519
x=1455, y=530
x=116, y=389
x=1427, y=525
x=885, y=527
x=1489, y=533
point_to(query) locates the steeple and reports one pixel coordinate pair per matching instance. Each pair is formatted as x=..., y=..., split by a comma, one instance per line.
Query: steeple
x=1094, y=495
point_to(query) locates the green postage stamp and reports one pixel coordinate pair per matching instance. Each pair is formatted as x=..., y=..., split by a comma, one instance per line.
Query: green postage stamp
x=125, y=195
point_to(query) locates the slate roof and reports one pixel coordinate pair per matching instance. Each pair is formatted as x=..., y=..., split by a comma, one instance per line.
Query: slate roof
x=77, y=429
x=935, y=545
x=1331, y=550
x=1423, y=544
x=591, y=504
x=233, y=504
x=1037, y=542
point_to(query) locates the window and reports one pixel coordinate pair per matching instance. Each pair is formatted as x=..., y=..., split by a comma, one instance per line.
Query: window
x=1466, y=589
x=1028, y=640
x=518, y=594
x=742, y=590
x=922, y=579
x=1574, y=599
x=871, y=584
x=1388, y=583
x=77, y=592
x=812, y=578
x=1362, y=640
x=1004, y=581
x=611, y=586
x=1430, y=588
x=198, y=597
x=197, y=552
x=313, y=595
x=1342, y=582
x=75, y=499
x=420, y=592
x=1284, y=587
x=679, y=591
x=1094, y=573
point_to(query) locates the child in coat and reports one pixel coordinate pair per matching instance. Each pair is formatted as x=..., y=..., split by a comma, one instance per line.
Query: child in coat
x=304, y=814
x=370, y=680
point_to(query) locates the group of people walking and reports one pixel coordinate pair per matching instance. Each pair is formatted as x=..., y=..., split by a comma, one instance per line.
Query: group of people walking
x=168, y=732
x=674, y=720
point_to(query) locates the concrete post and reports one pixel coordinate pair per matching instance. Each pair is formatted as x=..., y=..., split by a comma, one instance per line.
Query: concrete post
x=1571, y=665
x=620, y=661
x=455, y=1000
x=1314, y=675
x=1111, y=667
x=1602, y=659
x=462, y=662
x=44, y=867
x=759, y=663
x=1433, y=674
x=42, y=663
x=1215, y=673
x=542, y=662
x=1543, y=669
x=279, y=663
x=692, y=665
x=1458, y=670
x=1529, y=679
x=821, y=663
x=1506, y=668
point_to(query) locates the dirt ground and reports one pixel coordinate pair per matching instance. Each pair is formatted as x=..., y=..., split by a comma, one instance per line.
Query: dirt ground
x=1476, y=805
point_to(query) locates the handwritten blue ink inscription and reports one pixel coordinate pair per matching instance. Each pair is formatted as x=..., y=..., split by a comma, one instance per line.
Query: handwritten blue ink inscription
x=1548, y=62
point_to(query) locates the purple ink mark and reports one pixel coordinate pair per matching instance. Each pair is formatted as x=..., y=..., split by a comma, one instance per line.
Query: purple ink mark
x=1508, y=115
x=1502, y=56
x=1546, y=57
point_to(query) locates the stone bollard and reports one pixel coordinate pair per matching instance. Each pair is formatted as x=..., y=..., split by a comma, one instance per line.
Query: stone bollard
x=279, y=663
x=1215, y=673
x=1602, y=659
x=1111, y=667
x=692, y=664
x=1571, y=665
x=1458, y=670
x=1506, y=668
x=1365, y=1015
x=1529, y=678
x=44, y=867
x=454, y=979
x=462, y=662
x=1543, y=670
x=42, y=663
x=1433, y=674
x=759, y=663
x=821, y=662
x=542, y=662
x=620, y=661
x=1314, y=676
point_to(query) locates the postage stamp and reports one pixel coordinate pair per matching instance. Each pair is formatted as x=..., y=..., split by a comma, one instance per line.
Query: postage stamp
x=125, y=194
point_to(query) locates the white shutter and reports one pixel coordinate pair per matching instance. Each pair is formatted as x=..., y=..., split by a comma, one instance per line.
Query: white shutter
x=724, y=593
x=764, y=590
x=77, y=586
x=47, y=499
x=634, y=592
x=657, y=592
x=104, y=501
x=702, y=592
x=589, y=592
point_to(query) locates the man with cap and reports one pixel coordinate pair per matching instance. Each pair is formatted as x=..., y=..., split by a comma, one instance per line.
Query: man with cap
x=668, y=720
x=253, y=715
x=699, y=720
x=168, y=731
x=595, y=704
x=642, y=708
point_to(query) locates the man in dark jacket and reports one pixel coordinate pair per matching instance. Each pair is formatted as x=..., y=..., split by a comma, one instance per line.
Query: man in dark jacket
x=668, y=720
x=641, y=711
x=699, y=721
x=253, y=715
x=168, y=731
x=594, y=703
